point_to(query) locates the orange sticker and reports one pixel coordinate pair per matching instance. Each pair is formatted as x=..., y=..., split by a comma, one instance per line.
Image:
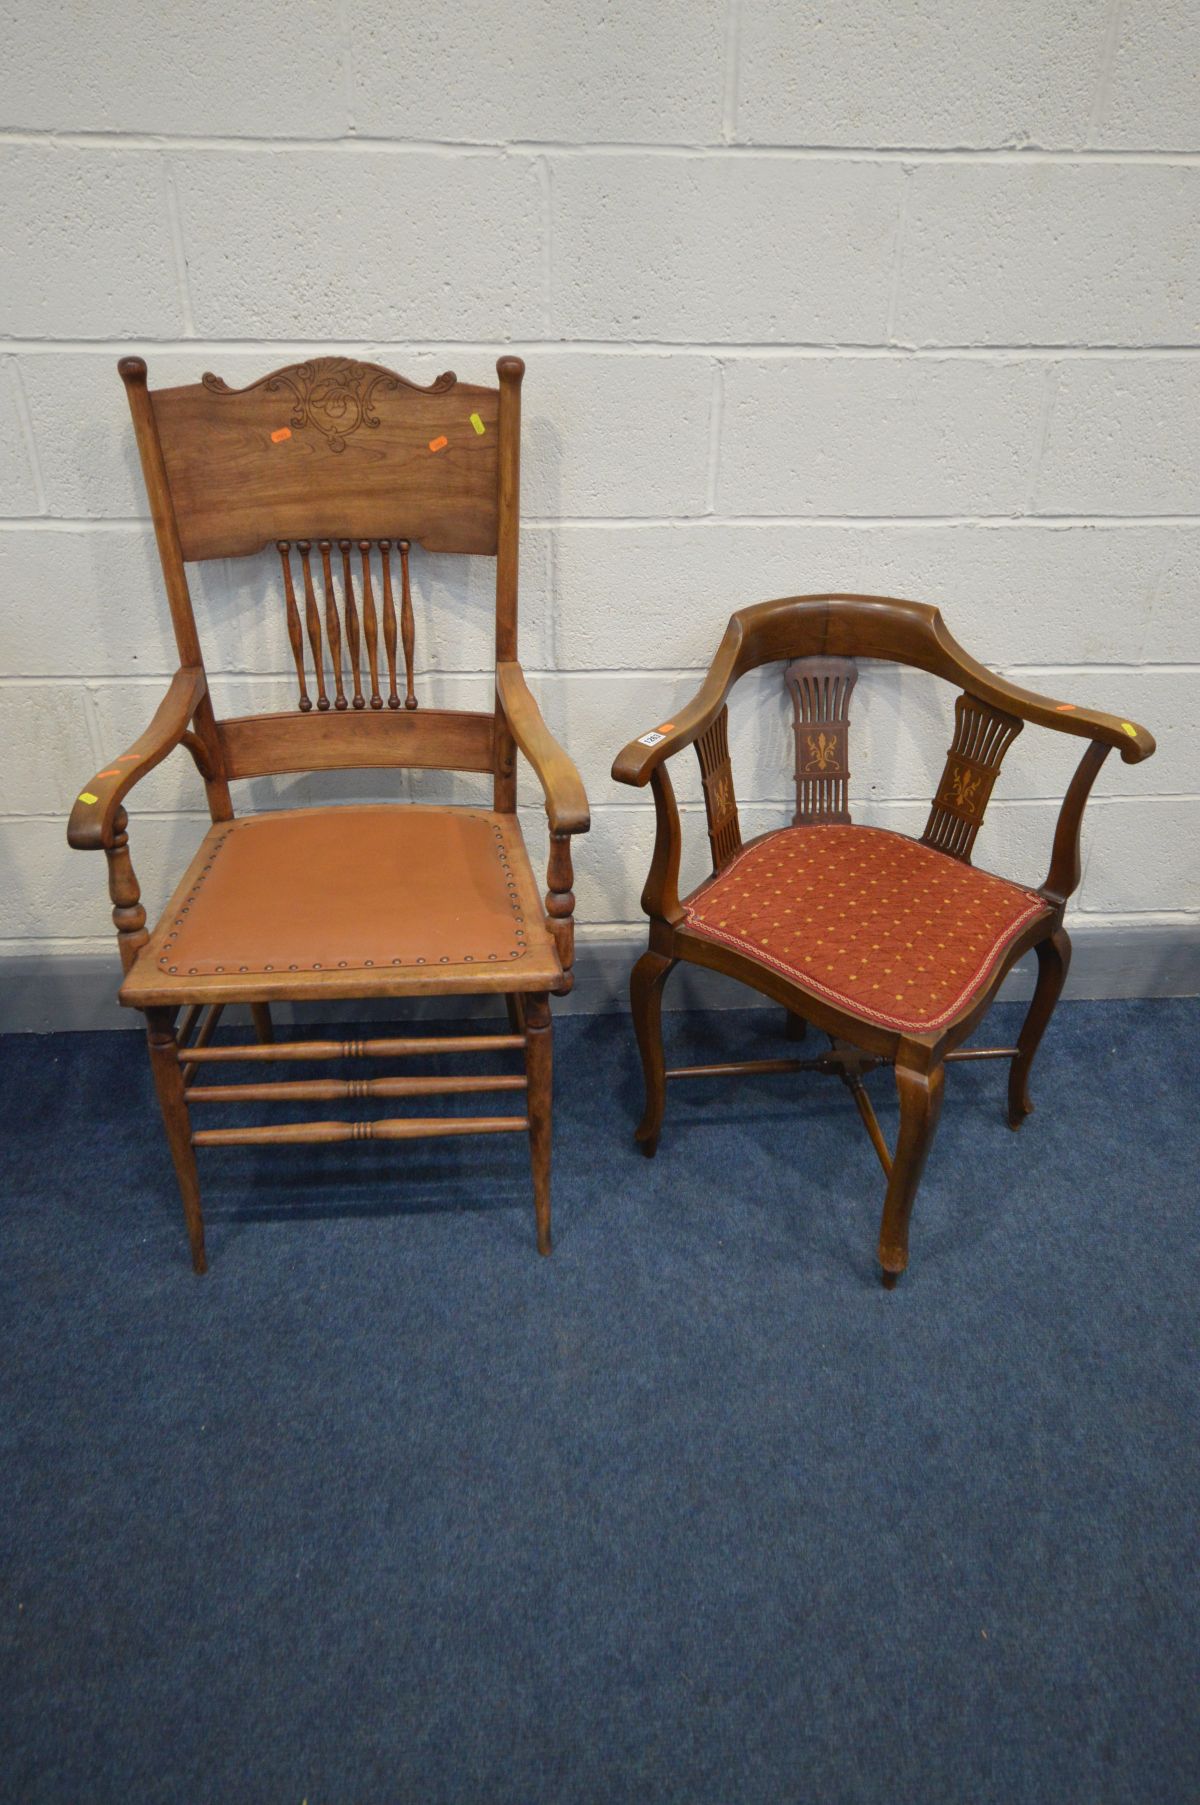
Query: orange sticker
x=1064, y=707
x=438, y=444
x=108, y=774
x=280, y=434
x=665, y=726
x=128, y=758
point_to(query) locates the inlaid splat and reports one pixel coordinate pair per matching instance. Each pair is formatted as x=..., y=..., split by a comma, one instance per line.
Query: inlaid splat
x=821, y=690
x=367, y=614
x=982, y=736
x=720, y=802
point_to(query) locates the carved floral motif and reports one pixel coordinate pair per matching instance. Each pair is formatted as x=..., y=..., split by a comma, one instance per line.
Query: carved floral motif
x=333, y=394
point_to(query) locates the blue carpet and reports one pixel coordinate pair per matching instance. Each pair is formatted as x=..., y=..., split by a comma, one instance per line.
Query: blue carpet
x=386, y=1508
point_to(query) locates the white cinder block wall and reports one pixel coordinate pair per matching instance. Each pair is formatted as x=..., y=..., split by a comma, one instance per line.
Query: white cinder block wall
x=897, y=298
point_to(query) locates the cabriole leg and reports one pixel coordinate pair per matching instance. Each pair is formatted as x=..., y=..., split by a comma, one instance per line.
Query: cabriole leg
x=645, y=1000
x=168, y=1082
x=1054, y=961
x=920, y=1106
x=539, y=1074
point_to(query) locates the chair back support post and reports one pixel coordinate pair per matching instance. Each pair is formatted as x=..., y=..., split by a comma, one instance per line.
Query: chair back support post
x=132, y=371
x=510, y=371
x=162, y=509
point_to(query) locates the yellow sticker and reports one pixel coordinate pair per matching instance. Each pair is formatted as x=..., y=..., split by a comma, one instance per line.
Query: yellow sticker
x=477, y=423
x=86, y=796
x=1130, y=729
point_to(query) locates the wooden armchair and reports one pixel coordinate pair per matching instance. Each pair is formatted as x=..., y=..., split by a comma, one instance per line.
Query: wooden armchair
x=344, y=467
x=895, y=947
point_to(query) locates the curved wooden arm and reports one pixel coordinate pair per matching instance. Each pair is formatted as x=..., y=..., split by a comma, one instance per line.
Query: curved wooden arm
x=862, y=626
x=566, y=804
x=637, y=762
x=94, y=818
x=566, y=799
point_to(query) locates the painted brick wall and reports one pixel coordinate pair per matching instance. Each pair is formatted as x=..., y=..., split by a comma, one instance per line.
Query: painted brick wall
x=876, y=297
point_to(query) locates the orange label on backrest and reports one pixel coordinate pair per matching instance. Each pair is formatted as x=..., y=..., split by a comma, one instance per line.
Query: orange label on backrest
x=280, y=434
x=438, y=444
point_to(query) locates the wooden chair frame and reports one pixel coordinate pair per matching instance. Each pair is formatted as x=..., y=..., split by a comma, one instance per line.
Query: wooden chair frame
x=819, y=632
x=234, y=505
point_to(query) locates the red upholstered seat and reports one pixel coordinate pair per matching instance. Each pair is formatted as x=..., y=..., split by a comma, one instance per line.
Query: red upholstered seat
x=875, y=922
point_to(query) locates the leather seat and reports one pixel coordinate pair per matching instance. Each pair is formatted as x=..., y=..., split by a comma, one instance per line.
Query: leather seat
x=900, y=934
x=392, y=892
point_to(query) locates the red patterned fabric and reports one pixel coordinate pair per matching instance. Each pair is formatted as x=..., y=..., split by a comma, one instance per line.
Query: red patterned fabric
x=875, y=922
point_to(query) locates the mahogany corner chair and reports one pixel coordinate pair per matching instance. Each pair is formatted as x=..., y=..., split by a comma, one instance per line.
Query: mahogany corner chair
x=343, y=466
x=894, y=947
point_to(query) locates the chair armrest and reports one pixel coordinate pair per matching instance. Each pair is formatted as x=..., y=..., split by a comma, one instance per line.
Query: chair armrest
x=637, y=762
x=1132, y=741
x=92, y=826
x=566, y=799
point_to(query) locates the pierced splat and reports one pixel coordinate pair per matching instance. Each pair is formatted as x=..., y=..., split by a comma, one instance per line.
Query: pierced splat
x=982, y=736
x=364, y=614
x=821, y=690
x=716, y=776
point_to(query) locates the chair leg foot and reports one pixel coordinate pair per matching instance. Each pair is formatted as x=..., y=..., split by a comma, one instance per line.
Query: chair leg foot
x=645, y=1000
x=920, y=1106
x=888, y=1279
x=168, y=1082
x=1054, y=962
x=539, y=1074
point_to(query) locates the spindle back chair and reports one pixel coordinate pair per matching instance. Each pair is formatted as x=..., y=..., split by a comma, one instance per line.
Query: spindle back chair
x=344, y=467
x=894, y=947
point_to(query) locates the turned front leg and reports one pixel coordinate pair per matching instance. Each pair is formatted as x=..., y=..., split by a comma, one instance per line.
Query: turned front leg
x=168, y=1082
x=129, y=917
x=560, y=906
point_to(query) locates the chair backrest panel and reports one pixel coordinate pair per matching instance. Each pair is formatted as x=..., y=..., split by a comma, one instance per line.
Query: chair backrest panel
x=341, y=466
x=330, y=449
x=982, y=736
x=821, y=690
x=716, y=781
